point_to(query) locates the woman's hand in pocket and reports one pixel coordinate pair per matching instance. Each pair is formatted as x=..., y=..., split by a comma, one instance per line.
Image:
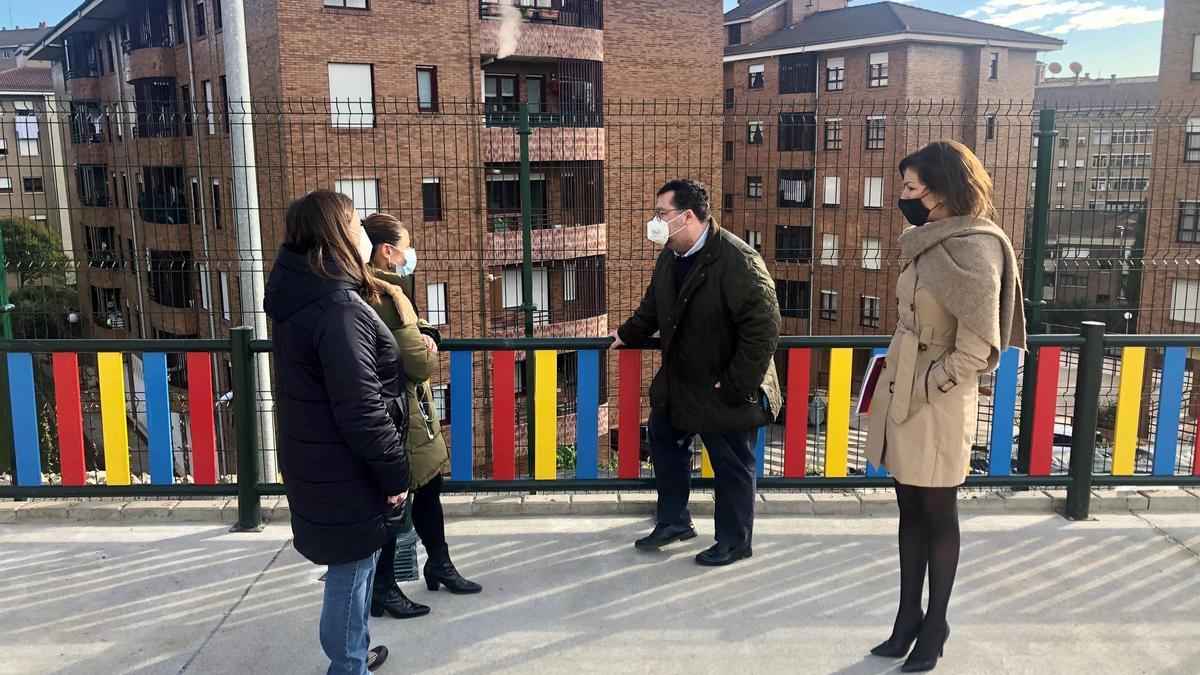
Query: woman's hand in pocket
x=395, y=500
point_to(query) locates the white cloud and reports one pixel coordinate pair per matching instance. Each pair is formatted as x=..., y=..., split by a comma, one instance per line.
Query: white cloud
x=1109, y=17
x=1039, y=10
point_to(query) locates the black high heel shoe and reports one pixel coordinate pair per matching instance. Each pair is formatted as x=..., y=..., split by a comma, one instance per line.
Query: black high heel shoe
x=919, y=662
x=440, y=571
x=899, y=643
x=394, y=602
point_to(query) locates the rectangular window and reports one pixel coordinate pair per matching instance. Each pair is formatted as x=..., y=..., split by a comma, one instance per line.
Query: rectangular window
x=728, y=98
x=829, y=305
x=727, y=202
x=728, y=151
x=435, y=304
x=793, y=243
x=833, y=191
x=1189, y=222
x=3, y=147
x=1072, y=280
x=990, y=128
x=441, y=402
x=169, y=278
x=196, y=206
x=877, y=70
x=876, y=133
x=1196, y=57
x=1060, y=186
x=733, y=34
x=500, y=96
x=795, y=188
x=185, y=97
x=210, y=121
x=351, y=94
x=218, y=222
x=754, y=239
x=793, y=298
x=27, y=148
x=34, y=184
x=201, y=20
x=347, y=4
x=226, y=311
x=754, y=133
x=93, y=184
x=1191, y=140
x=994, y=66
x=5, y=185
x=218, y=22
x=872, y=253
x=835, y=74
x=1185, y=301
x=1123, y=184
x=1079, y=164
x=205, y=290
x=570, y=280
x=225, y=109
x=363, y=191
x=512, y=293
x=797, y=132
x=427, y=89
x=868, y=312
x=431, y=199
x=757, y=78
x=829, y=249
x=754, y=186
x=873, y=192
x=1122, y=137
x=833, y=133
x=797, y=73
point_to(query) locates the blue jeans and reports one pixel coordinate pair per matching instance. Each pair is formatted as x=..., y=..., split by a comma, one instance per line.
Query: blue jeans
x=344, y=634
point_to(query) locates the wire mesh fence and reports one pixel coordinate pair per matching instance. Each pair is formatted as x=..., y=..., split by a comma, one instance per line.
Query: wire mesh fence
x=127, y=219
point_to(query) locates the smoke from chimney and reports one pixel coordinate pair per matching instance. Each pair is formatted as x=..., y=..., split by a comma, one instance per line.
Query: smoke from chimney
x=510, y=29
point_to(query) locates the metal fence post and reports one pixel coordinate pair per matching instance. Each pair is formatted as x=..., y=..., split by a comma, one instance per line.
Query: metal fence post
x=245, y=419
x=8, y=455
x=1087, y=412
x=524, y=131
x=1035, y=263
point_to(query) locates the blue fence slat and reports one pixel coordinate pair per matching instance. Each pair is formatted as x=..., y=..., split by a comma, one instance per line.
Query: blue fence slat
x=1170, y=400
x=872, y=470
x=158, y=418
x=587, y=413
x=1004, y=414
x=760, y=451
x=462, y=416
x=24, y=419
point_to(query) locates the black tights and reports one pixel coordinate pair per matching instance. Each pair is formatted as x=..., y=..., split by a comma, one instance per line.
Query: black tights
x=929, y=539
x=430, y=524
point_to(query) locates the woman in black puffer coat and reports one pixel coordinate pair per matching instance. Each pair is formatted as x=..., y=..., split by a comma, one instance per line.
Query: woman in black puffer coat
x=341, y=412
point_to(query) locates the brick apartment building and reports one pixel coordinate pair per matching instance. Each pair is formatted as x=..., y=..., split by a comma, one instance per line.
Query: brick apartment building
x=1170, y=301
x=409, y=109
x=822, y=102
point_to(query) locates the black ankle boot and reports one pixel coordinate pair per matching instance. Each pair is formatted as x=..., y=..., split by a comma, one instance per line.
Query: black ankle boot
x=440, y=570
x=393, y=601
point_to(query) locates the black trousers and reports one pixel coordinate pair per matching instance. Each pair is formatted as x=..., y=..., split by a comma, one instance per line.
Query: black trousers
x=733, y=462
x=430, y=524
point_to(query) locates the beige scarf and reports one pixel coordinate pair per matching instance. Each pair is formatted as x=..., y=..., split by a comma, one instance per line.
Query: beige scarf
x=963, y=272
x=404, y=306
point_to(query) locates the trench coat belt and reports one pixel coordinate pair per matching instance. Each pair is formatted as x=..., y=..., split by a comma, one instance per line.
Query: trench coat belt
x=906, y=357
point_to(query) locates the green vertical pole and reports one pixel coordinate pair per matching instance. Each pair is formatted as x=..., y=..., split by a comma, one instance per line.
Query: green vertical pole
x=524, y=131
x=1035, y=263
x=1083, y=441
x=245, y=420
x=7, y=456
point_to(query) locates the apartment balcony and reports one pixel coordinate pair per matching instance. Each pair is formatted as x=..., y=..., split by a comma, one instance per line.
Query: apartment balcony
x=566, y=13
x=510, y=323
x=85, y=87
x=557, y=241
x=151, y=62
x=560, y=144
x=82, y=58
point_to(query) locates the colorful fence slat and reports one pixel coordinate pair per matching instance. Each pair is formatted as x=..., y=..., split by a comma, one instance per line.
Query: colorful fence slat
x=1004, y=414
x=760, y=452
x=201, y=426
x=158, y=418
x=113, y=417
x=1170, y=400
x=545, y=402
x=1044, y=402
x=587, y=417
x=795, y=444
x=629, y=413
x=24, y=419
x=872, y=470
x=1129, y=402
x=837, y=435
x=706, y=468
x=462, y=417
x=504, y=415
x=68, y=409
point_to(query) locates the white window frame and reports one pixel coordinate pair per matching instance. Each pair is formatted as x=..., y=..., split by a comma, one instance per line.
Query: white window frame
x=6, y=184
x=364, y=192
x=351, y=95
x=872, y=253
x=756, y=69
x=829, y=249
x=1185, y=301
x=831, y=309
x=754, y=239
x=835, y=63
x=436, y=303
x=570, y=281
x=210, y=117
x=346, y=4
x=832, y=194
x=225, y=309
x=877, y=59
x=751, y=127
x=1196, y=56
x=873, y=192
x=873, y=316
x=28, y=147
x=205, y=289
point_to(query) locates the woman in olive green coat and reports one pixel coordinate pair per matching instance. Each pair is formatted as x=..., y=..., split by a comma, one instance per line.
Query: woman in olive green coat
x=393, y=261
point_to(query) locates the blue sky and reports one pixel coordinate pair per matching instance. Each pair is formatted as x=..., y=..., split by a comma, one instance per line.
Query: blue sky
x=1107, y=36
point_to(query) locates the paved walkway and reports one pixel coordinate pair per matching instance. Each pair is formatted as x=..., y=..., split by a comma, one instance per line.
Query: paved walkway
x=570, y=595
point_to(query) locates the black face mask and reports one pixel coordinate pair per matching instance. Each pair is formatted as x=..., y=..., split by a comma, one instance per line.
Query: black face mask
x=914, y=211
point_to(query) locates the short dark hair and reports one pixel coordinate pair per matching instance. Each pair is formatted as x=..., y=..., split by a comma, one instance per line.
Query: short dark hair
x=688, y=195
x=950, y=169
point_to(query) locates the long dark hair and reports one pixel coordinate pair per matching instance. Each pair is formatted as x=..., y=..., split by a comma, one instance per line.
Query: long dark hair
x=950, y=169
x=384, y=228
x=319, y=225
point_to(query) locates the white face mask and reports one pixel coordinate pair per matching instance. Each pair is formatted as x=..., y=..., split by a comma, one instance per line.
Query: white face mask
x=659, y=230
x=410, y=262
x=364, y=246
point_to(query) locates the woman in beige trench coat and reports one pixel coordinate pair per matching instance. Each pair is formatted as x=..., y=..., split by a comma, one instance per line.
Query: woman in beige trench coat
x=959, y=308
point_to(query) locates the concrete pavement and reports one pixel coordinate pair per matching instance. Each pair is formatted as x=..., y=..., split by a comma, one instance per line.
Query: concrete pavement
x=1035, y=593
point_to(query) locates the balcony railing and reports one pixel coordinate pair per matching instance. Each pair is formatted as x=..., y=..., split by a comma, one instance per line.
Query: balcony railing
x=574, y=13
x=546, y=115
x=543, y=219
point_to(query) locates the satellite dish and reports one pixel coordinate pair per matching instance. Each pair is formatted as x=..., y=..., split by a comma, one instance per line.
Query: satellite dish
x=1076, y=67
x=1055, y=67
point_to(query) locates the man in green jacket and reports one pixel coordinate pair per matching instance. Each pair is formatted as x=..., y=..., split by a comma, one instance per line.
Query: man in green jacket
x=713, y=305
